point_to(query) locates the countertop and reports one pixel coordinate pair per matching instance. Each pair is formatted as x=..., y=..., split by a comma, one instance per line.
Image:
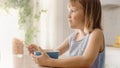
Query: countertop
x=24, y=61
x=112, y=59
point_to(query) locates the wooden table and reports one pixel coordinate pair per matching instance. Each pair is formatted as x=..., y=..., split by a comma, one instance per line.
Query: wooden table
x=24, y=61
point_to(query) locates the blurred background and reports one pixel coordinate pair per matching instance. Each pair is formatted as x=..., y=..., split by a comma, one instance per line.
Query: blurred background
x=52, y=28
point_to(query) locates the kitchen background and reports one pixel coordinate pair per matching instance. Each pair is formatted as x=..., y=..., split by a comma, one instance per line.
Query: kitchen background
x=58, y=29
x=110, y=20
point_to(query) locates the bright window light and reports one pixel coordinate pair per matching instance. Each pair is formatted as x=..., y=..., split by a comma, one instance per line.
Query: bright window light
x=8, y=30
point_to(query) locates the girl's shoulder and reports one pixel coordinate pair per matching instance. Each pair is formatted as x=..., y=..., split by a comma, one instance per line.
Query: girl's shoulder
x=97, y=34
x=97, y=31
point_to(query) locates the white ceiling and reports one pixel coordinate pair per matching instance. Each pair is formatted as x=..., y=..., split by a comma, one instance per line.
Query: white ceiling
x=110, y=4
x=114, y=2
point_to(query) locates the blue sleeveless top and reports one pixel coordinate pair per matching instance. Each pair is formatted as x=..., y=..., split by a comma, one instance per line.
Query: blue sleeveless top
x=77, y=48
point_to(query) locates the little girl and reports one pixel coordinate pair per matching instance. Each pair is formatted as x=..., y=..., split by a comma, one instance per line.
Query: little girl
x=86, y=44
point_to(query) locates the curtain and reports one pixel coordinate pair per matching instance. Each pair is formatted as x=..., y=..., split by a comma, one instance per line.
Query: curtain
x=47, y=24
x=53, y=24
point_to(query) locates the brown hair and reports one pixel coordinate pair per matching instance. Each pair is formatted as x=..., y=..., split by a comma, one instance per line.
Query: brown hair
x=93, y=11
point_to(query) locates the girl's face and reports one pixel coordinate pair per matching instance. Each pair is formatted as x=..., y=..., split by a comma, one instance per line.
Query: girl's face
x=76, y=15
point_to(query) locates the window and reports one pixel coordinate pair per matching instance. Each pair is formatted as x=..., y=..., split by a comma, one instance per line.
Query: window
x=48, y=23
x=8, y=30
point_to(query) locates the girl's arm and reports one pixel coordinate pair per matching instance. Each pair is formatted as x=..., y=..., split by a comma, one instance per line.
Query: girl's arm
x=94, y=45
x=63, y=47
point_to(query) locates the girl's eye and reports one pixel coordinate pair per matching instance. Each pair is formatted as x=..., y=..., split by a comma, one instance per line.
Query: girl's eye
x=72, y=10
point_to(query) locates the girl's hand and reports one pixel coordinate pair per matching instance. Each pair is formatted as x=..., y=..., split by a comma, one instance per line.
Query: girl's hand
x=32, y=48
x=43, y=59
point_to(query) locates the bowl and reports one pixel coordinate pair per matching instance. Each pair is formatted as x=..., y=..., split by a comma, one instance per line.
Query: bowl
x=51, y=53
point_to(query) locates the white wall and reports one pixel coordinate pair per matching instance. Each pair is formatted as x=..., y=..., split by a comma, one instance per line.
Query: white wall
x=111, y=24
